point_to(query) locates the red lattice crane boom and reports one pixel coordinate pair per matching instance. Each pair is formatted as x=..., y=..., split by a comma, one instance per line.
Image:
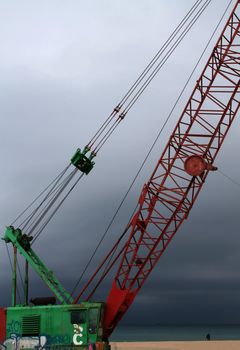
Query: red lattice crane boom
x=180, y=173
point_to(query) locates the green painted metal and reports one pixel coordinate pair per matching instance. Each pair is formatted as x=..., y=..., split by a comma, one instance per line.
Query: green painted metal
x=82, y=162
x=62, y=325
x=22, y=243
x=14, y=277
x=26, y=284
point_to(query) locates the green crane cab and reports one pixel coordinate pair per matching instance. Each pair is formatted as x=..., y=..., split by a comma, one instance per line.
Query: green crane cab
x=57, y=326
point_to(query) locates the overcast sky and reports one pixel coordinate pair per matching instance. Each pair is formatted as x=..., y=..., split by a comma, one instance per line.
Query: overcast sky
x=64, y=65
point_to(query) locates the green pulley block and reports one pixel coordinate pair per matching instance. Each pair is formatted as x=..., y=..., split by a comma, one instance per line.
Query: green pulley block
x=82, y=162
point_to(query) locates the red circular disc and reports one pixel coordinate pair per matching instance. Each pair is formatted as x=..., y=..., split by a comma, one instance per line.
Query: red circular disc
x=194, y=165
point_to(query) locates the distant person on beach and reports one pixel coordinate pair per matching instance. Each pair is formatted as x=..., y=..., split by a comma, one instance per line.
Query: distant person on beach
x=208, y=337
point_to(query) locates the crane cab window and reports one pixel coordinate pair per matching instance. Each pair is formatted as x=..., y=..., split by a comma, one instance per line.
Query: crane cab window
x=79, y=316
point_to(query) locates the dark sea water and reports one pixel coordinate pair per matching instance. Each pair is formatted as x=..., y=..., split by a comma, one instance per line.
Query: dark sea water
x=164, y=333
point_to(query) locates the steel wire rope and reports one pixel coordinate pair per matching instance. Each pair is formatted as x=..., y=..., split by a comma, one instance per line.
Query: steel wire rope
x=100, y=266
x=56, y=209
x=105, y=272
x=101, y=129
x=40, y=194
x=158, y=54
x=144, y=73
x=151, y=148
x=109, y=260
x=51, y=202
x=107, y=135
x=27, y=221
x=154, y=72
x=32, y=220
x=229, y=178
x=98, y=245
x=166, y=57
x=70, y=177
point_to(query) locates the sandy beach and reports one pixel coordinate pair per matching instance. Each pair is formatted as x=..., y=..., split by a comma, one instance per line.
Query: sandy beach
x=178, y=345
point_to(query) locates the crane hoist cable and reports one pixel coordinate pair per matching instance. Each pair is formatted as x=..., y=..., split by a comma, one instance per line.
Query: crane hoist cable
x=147, y=76
x=39, y=196
x=57, y=207
x=158, y=54
x=144, y=73
x=165, y=58
x=34, y=219
x=48, y=206
x=29, y=220
x=145, y=84
x=52, y=201
x=229, y=178
x=111, y=256
x=137, y=82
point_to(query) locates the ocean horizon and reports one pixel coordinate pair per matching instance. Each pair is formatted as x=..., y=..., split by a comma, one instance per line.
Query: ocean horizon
x=175, y=333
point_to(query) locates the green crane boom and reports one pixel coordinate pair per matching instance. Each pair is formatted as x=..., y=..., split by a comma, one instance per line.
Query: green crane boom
x=22, y=243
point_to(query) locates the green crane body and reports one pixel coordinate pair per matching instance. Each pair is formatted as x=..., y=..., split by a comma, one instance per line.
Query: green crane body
x=56, y=326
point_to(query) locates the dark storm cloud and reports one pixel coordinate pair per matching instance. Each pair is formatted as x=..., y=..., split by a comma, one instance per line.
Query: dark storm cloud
x=63, y=69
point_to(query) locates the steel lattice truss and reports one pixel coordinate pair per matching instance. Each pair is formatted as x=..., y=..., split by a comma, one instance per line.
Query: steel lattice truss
x=169, y=195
